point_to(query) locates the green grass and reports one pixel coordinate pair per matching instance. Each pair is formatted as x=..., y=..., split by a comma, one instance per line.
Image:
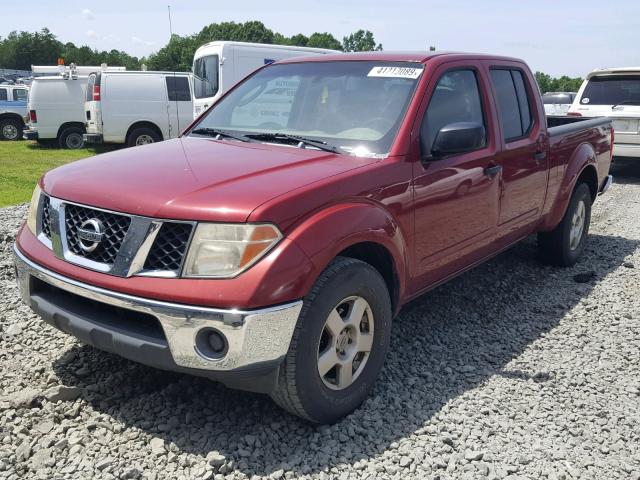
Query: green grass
x=23, y=162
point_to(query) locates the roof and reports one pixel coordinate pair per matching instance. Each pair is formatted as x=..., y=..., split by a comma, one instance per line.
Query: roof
x=217, y=43
x=419, y=56
x=613, y=71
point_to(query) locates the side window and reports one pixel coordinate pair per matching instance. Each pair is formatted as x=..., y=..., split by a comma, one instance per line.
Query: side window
x=178, y=89
x=456, y=98
x=513, y=102
x=20, y=95
x=3, y=94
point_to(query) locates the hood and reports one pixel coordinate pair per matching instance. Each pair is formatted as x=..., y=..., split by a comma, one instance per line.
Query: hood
x=193, y=178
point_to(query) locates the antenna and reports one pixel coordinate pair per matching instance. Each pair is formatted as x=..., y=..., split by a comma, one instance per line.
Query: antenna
x=174, y=72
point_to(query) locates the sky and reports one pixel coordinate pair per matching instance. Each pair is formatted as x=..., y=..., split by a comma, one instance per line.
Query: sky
x=561, y=37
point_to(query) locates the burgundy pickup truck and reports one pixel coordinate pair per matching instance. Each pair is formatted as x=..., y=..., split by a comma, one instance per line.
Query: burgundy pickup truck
x=272, y=244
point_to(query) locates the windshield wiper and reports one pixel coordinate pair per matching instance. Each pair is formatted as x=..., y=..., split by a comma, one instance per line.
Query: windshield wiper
x=319, y=144
x=217, y=132
x=626, y=102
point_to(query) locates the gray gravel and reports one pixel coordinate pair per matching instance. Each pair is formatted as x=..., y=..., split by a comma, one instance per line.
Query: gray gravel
x=514, y=370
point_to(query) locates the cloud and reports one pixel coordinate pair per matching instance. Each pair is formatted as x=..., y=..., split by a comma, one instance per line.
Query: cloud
x=88, y=14
x=140, y=41
x=91, y=34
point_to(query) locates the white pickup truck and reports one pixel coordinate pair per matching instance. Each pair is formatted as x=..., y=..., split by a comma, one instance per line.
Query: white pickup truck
x=614, y=93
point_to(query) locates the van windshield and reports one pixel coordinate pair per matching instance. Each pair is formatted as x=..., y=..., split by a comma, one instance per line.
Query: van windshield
x=205, y=73
x=612, y=90
x=354, y=106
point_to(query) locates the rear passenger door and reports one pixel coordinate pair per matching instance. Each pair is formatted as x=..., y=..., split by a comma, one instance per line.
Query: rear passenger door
x=180, y=103
x=523, y=155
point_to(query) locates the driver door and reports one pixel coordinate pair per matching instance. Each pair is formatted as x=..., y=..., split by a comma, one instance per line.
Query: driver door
x=456, y=196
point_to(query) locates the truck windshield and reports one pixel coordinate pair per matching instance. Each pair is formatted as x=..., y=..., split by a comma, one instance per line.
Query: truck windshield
x=205, y=73
x=612, y=90
x=354, y=106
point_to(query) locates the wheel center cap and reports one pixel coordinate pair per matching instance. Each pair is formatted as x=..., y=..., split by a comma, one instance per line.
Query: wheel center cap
x=342, y=340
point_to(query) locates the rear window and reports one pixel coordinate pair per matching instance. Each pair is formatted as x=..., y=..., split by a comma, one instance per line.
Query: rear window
x=557, y=98
x=612, y=90
x=3, y=94
x=178, y=89
x=513, y=102
x=20, y=95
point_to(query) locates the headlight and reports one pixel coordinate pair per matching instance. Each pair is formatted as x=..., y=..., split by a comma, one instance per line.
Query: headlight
x=225, y=250
x=33, y=210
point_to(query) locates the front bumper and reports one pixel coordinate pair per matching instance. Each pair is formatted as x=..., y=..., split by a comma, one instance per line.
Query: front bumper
x=94, y=138
x=161, y=334
x=29, y=134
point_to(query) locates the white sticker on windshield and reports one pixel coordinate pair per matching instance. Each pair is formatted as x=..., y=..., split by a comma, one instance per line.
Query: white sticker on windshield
x=395, y=72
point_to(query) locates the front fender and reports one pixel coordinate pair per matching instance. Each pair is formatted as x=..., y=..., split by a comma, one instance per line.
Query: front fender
x=330, y=231
x=583, y=157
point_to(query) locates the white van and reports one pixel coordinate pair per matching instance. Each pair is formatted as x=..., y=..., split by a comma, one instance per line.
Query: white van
x=615, y=93
x=217, y=66
x=56, y=104
x=137, y=108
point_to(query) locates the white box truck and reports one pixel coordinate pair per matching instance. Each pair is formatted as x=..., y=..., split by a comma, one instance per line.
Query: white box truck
x=137, y=107
x=217, y=66
x=55, y=107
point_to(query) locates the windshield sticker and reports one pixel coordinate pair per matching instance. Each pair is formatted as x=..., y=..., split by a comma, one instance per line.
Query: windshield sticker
x=585, y=100
x=395, y=72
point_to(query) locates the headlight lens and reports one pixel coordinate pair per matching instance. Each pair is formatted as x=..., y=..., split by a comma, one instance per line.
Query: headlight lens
x=33, y=210
x=225, y=250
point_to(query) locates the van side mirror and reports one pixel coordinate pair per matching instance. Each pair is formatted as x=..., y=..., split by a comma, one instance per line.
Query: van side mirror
x=458, y=137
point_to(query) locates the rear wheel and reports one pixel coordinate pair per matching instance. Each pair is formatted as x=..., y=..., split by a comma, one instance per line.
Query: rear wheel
x=71, y=138
x=339, y=344
x=10, y=129
x=563, y=245
x=142, y=136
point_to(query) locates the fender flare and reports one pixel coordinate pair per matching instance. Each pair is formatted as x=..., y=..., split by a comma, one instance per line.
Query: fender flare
x=350, y=224
x=582, y=159
x=11, y=115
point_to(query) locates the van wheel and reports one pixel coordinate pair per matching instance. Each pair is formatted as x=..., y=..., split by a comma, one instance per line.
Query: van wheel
x=563, y=245
x=10, y=129
x=71, y=138
x=339, y=343
x=142, y=136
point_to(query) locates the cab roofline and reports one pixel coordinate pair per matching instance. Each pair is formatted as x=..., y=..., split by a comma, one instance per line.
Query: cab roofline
x=400, y=56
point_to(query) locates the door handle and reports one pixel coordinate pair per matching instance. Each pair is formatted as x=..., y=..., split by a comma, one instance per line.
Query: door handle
x=493, y=170
x=539, y=156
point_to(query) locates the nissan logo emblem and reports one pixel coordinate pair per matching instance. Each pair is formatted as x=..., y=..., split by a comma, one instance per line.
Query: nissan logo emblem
x=90, y=234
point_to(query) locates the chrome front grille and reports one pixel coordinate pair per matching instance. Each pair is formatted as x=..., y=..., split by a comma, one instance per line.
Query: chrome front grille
x=115, y=229
x=169, y=247
x=118, y=244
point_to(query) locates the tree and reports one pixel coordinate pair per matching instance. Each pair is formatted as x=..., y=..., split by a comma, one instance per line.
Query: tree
x=548, y=83
x=360, y=41
x=324, y=40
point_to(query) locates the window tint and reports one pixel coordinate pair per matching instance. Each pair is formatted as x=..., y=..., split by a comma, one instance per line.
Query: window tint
x=456, y=98
x=178, y=89
x=612, y=90
x=20, y=95
x=205, y=71
x=3, y=94
x=513, y=104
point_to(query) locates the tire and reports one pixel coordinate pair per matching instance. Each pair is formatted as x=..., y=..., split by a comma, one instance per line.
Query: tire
x=563, y=246
x=11, y=129
x=142, y=136
x=301, y=389
x=71, y=138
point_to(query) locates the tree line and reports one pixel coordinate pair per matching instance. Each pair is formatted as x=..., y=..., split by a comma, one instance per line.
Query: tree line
x=20, y=50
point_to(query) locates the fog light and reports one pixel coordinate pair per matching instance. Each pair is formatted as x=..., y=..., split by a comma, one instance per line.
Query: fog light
x=211, y=344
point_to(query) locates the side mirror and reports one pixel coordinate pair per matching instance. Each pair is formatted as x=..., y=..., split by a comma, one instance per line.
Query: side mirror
x=458, y=137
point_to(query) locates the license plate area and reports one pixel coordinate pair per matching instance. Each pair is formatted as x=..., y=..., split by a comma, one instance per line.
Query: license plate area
x=625, y=126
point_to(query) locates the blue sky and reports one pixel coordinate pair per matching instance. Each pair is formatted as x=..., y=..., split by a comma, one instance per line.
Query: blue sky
x=558, y=37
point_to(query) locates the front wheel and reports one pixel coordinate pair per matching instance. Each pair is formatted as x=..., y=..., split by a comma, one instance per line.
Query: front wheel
x=339, y=343
x=10, y=129
x=563, y=245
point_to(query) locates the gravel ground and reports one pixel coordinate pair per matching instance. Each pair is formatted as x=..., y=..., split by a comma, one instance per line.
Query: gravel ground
x=514, y=370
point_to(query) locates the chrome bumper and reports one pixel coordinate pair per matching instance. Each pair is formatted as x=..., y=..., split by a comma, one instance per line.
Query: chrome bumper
x=254, y=337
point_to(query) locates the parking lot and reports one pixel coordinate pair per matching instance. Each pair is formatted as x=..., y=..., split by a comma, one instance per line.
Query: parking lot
x=513, y=370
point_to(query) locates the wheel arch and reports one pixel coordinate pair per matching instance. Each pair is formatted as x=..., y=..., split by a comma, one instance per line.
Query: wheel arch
x=11, y=116
x=143, y=124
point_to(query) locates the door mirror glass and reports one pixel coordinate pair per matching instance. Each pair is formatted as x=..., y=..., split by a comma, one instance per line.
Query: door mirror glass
x=458, y=137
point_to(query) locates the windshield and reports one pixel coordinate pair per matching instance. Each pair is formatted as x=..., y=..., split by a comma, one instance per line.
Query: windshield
x=355, y=106
x=612, y=90
x=205, y=72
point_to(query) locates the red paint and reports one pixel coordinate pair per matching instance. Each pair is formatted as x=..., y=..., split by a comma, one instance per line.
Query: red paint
x=324, y=202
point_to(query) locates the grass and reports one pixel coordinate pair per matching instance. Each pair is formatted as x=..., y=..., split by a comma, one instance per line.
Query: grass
x=23, y=162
